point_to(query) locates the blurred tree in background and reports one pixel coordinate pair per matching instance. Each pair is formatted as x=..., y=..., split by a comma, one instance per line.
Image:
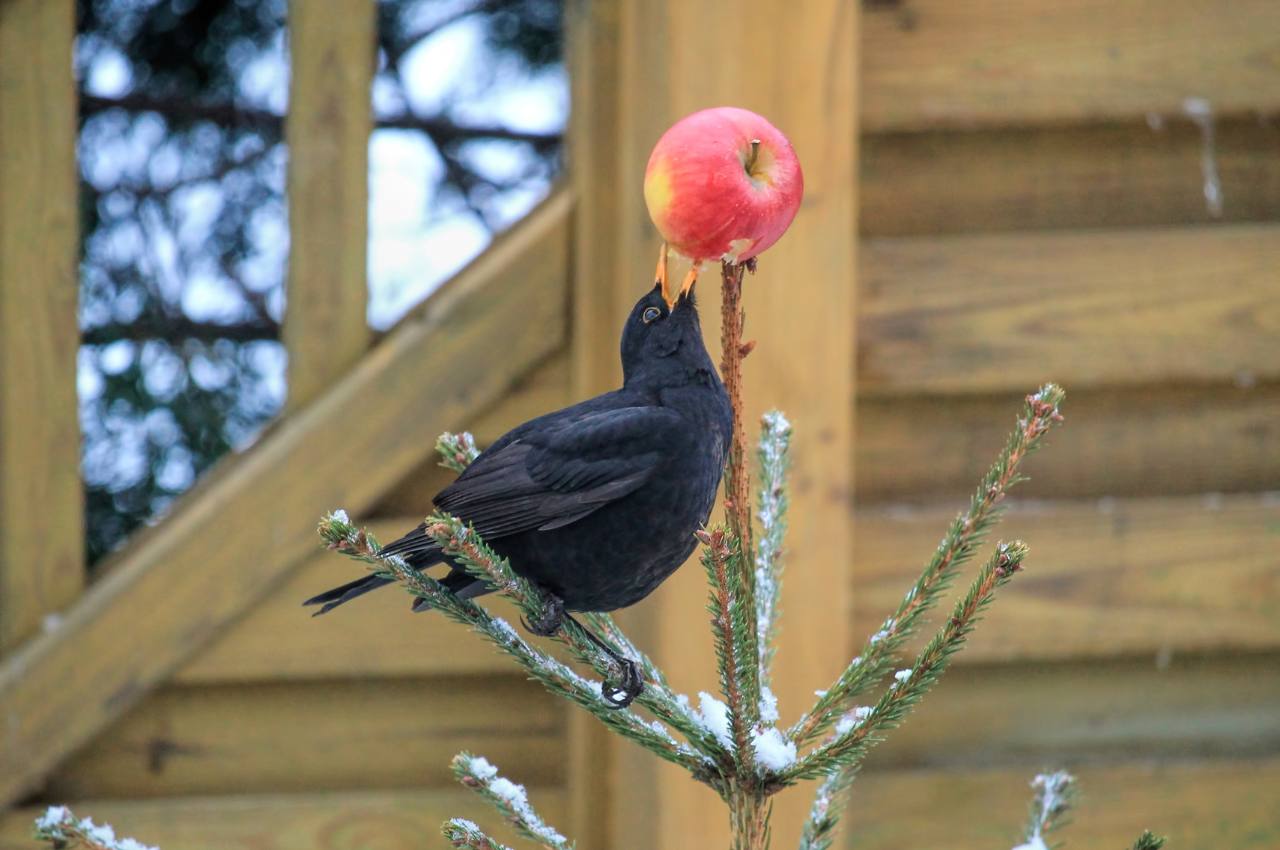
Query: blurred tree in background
x=184, y=217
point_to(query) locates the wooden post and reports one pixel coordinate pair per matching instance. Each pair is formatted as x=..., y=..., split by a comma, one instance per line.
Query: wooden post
x=636, y=68
x=41, y=498
x=328, y=126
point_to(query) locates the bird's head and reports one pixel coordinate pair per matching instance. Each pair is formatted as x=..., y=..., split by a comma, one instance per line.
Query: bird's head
x=662, y=342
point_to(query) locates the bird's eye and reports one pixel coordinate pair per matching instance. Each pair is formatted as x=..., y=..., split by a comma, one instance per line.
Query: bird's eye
x=649, y=314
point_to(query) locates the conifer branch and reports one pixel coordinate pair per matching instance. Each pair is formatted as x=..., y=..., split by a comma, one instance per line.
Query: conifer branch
x=1040, y=414
x=463, y=834
x=340, y=536
x=735, y=583
x=1055, y=795
x=911, y=684
x=773, y=454
x=1149, y=841
x=476, y=773
x=63, y=829
x=720, y=558
x=457, y=451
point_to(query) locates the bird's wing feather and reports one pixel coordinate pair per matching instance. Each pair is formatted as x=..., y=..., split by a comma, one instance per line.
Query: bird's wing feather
x=557, y=475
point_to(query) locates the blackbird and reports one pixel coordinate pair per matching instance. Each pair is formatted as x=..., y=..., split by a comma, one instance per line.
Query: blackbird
x=596, y=503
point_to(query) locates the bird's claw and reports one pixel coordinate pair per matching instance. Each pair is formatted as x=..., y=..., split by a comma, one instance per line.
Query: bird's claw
x=551, y=619
x=622, y=693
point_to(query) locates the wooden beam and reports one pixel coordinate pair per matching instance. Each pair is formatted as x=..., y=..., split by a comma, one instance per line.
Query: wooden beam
x=931, y=63
x=1200, y=805
x=318, y=736
x=653, y=64
x=1122, y=174
x=342, y=820
x=1101, y=308
x=41, y=498
x=1092, y=711
x=331, y=55
x=1148, y=558
x=242, y=532
x=1132, y=441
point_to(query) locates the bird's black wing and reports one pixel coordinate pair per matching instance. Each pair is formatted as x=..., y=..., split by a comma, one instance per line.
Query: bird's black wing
x=554, y=475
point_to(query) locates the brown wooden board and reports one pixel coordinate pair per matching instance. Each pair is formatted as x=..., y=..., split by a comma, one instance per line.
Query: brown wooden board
x=41, y=497
x=331, y=54
x=1123, y=174
x=238, y=535
x=341, y=820
x=1199, y=805
x=1083, y=309
x=318, y=736
x=1171, y=440
x=929, y=63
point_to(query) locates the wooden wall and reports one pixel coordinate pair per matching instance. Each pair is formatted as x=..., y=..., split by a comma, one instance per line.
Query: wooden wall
x=1030, y=207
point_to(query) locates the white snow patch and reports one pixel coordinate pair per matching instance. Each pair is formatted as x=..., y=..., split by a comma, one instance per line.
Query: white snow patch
x=340, y=516
x=902, y=675
x=463, y=823
x=853, y=719
x=1036, y=843
x=52, y=817
x=768, y=705
x=714, y=717
x=481, y=768
x=773, y=751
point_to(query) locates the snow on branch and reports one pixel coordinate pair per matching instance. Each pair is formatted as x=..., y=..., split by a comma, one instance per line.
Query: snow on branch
x=61, y=828
x=476, y=773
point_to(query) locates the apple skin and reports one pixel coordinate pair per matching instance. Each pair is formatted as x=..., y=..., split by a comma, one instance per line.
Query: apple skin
x=701, y=196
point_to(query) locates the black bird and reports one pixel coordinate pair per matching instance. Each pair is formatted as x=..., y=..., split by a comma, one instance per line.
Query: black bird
x=596, y=503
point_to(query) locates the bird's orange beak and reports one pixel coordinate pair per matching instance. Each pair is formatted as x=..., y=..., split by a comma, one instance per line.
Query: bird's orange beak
x=662, y=280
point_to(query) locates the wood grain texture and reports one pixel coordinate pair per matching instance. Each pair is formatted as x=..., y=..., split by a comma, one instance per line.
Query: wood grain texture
x=1084, y=712
x=1083, y=309
x=1121, y=174
x=1143, y=441
x=331, y=55
x=41, y=499
x=928, y=63
x=1141, y=576
x=318, y=736
x=345, y=820
x=1202, y=805
x=239, y=534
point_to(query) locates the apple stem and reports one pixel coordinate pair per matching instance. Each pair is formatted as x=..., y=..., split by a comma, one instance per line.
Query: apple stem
x=755, y=153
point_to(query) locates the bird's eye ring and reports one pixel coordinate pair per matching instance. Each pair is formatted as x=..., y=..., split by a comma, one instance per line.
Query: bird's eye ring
x=649, y=314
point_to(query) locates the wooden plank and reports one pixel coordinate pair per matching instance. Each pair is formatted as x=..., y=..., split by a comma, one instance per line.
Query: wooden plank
x=941, y=62
x=669, y=64
x=1122, y=174
x=237, y=536
x=348, y=820
x=1125, y=442
x=1199, y=805
x=41, y=498
x=317, y=736
x=331, y=56
x=1092, y=712
x=277, y=640
x=998, y=312
x=1144, y=576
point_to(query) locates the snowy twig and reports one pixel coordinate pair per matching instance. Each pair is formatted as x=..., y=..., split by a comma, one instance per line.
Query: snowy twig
x=476, y=773
x=962, y=539
x=1054, y=796
x=462, y=833
x=848, y=749
x=456, y=451
x=62, y=829
x=773, y=454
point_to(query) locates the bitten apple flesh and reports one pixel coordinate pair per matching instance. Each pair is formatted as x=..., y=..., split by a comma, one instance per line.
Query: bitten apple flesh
x=723, y=184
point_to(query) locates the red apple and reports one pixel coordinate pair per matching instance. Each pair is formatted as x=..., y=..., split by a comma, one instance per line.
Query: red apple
x=722, y=183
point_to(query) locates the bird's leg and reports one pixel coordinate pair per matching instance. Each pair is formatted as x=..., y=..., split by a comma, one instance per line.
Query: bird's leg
x=552, y=618
x=621, y=694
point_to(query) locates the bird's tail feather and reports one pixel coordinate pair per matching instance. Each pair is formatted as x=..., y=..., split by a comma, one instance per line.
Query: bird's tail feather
x=342, y=594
